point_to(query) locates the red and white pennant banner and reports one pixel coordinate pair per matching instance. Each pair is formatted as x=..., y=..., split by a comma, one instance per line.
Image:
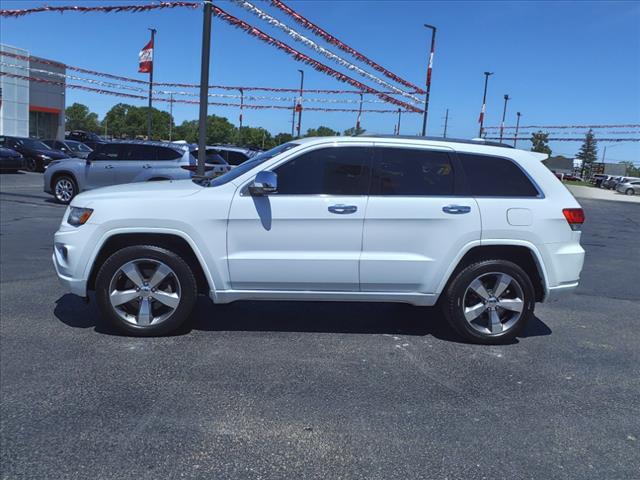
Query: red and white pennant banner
x=146, y=58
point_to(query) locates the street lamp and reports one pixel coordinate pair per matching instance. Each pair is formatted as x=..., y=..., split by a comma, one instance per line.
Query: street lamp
x=504, y=115
x=299, y=107
x=515, y=137
x=484, y=101
x=429, y=69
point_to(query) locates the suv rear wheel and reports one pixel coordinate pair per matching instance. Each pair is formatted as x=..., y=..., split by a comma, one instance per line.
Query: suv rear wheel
x=490, y=301
x=146, y=290
x=629, y=191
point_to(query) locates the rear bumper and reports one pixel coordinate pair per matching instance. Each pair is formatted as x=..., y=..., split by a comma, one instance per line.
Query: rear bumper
x=554, y=293
x=11, y=163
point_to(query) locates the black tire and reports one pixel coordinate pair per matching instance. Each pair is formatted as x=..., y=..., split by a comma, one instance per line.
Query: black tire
x=454, y=301
x=187, y=285
x=65, y=195
x=629, y=191
x=30, y=164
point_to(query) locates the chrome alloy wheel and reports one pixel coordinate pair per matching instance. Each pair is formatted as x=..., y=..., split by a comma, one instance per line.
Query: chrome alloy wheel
x=144, y=292
x=64, y=190
x=493, y=303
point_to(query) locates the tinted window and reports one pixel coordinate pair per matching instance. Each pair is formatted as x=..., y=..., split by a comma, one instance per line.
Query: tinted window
x=164, y=153
x=489, y=176
x=331, y=171
x=110, y=151
x=236, y=158
x=402, y=171
x=138, y=152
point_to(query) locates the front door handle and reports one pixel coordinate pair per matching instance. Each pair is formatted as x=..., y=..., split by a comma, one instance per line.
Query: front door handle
x=108, y=167
x=343, y=209
x=456, y=209
x=146, y=165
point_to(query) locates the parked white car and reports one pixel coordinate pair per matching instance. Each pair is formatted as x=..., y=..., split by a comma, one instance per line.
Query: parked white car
x=487, y=231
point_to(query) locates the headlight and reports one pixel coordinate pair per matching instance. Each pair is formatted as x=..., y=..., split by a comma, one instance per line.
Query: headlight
x=79, y=216
x=44, y=157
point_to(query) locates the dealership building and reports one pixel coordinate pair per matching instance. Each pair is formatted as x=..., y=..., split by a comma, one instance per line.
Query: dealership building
x=31, y=108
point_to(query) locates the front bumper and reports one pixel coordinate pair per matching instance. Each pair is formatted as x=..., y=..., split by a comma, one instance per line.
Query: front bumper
x=76, y=286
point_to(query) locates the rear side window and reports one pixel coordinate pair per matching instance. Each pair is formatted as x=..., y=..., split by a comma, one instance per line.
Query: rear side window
x=138, y=152
x=236, y=158
x=489, y=176
x=164, y=153
x=330, y=171
x=403, y=171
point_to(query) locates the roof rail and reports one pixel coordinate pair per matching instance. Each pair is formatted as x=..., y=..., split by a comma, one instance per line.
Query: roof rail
x=474, y=141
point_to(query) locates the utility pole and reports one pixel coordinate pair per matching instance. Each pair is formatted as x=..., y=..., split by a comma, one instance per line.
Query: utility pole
x=446, y=122
x=241, y=107
x=504, y=115
x=359, y=115
x=170, y=116
x=153, y=46
x=515, y=137
x=204, y=89
x=484, y=101
x=299, y=106
x=429, y=70
x=399, y=116
x=105, y=127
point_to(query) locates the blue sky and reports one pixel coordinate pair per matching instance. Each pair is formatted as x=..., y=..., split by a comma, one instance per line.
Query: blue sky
x=561, y=62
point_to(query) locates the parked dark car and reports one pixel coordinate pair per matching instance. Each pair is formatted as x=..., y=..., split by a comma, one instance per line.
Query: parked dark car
x=233, y=155
x=214, y=164
x=37, y=155
x=90, y=139
x=10, y=160
x=70, y=147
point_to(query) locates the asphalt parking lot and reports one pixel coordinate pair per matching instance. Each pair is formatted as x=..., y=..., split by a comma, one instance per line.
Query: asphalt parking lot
x=316, y=390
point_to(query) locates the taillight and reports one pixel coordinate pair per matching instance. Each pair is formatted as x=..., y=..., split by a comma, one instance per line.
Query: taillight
x=194, y=168
x=574, y=216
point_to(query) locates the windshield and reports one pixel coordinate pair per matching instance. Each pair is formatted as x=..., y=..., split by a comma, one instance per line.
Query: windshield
x=35, y=144
x=78, y=147
x=250, y=164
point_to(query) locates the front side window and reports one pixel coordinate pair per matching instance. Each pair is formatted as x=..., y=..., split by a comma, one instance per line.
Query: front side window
x=329, y=171
x=110, y=151
x=489, y=176
x=404, y=171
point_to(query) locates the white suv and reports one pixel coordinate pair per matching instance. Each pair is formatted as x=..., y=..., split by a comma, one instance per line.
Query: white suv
x=484, y=230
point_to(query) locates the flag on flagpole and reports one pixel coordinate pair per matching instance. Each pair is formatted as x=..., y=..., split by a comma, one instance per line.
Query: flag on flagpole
x=146, y=58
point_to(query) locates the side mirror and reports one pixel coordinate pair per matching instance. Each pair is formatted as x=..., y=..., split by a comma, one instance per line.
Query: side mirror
x=266, y=182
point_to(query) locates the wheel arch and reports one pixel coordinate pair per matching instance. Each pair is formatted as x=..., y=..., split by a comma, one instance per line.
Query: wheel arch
x=57, y=175
x=525, y=256
x=171, y=241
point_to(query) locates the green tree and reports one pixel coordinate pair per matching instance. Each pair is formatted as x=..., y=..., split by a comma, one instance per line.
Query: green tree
x=257, y=137
x=540, y=142
x=78, y=117
x=588, y=152
x=353, y=132
x=630, y=169
x=281, y=138
x=129, y=121
x=321, y=132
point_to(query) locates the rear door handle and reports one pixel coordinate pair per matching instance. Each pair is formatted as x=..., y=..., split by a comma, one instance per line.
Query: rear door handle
x=109, y=167
x=456, y=209
x=343, y=209
x=146, y=165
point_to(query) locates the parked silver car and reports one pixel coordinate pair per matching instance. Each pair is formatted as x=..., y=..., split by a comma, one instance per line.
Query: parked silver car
x=630, y=187
x=118, y=162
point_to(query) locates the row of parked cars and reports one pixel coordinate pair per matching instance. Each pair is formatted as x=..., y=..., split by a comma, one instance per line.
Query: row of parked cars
x=84, y=161
x=626, y=185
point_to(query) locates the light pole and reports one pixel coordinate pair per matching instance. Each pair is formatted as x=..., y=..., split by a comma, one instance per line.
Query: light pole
x=484, y=101
x=204, y=89
x=399, y=117
x=359, y=115
x=299, y=106
x=429, y=70
x=170, y=116
x=241, y=107
x=153, y=46
x=446, y=122
x=515, y=137
x=504, y=115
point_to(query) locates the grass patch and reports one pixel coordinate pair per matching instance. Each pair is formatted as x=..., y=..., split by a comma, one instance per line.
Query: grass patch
x=577, y=183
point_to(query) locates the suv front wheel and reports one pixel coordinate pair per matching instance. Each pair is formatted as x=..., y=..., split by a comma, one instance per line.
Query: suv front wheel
x=146, y=290
x=490, y=301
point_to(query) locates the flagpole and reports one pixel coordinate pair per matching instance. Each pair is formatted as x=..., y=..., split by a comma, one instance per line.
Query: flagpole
x=153, y=34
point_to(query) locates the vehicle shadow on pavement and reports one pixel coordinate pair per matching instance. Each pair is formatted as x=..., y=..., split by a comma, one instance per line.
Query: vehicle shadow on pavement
x=312, y=317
